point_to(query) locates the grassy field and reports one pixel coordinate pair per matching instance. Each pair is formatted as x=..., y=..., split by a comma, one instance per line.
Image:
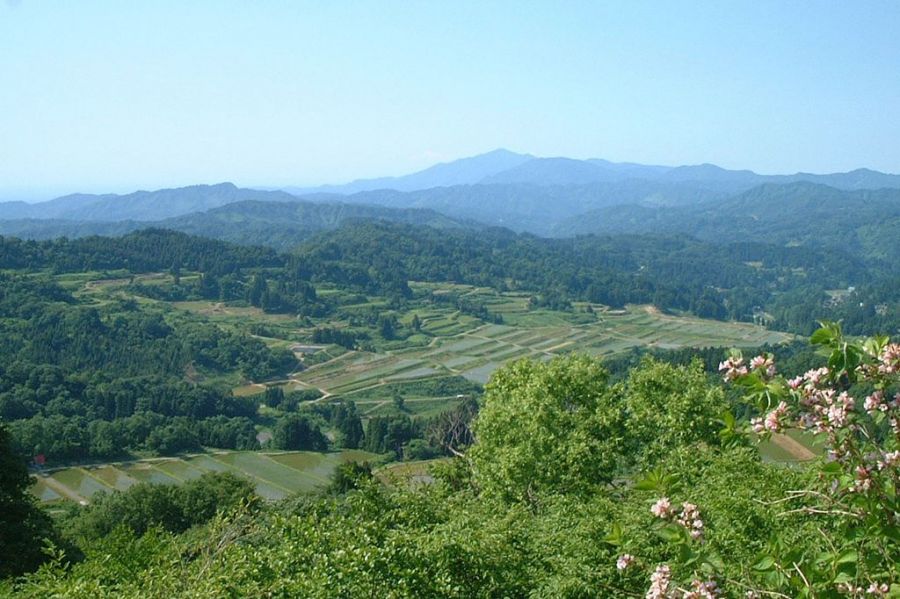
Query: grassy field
x=468, y=348
x=791, y=447
x=276, y=475
x=449, y=343
x=407, y=473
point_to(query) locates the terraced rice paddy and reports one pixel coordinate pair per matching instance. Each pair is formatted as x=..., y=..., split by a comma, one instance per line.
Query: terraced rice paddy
x=473, y=350
x=452, y=343
x=276, y=475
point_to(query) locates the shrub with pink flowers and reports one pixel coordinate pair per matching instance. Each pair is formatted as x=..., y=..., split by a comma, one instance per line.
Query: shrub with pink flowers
x=852, y=405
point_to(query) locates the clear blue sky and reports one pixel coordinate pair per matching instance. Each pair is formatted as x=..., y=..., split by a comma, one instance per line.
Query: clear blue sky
x=115, y=96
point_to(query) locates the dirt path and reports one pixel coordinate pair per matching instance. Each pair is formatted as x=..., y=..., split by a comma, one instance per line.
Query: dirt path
x=793, y=447
x=320, y=364
x=376, y=406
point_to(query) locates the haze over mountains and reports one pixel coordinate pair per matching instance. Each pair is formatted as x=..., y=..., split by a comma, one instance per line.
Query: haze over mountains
x=505, y=167
x=545, y=196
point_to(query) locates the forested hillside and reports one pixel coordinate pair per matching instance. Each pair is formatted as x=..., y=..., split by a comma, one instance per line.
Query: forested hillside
x=281, y=225
x=732, y=281
x=277, y=323
x=736, y=281
x=571, y=487
x=140, y=205
x=546, y=196
x=800, y=214
x=375, y=336
x=69, y=356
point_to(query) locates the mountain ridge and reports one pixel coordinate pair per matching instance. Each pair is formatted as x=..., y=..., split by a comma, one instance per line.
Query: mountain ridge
x=276, y=224
x=798, y=213
x=525, y=168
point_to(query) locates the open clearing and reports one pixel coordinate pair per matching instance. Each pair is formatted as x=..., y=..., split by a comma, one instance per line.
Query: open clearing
x=465, y=347
x=792, y=446
x=276, y=475
x=450, y=343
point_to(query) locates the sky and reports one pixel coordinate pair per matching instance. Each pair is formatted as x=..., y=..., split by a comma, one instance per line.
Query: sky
x=112, y=96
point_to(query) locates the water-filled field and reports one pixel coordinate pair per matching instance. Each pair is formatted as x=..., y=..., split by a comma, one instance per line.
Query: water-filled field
x=474, y=350
x=276, y=475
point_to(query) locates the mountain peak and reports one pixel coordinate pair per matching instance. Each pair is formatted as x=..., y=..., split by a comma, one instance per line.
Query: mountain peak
x=502, y=152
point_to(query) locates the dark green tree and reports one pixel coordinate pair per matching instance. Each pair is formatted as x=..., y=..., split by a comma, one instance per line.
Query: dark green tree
x=23, y=526
x=387, y=326
x=298, y=432
x=258, y=287
x=349, y=476
x=274, y=397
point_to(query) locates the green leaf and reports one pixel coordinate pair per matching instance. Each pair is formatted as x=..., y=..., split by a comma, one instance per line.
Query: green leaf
x=843, y=577
x=765, y=564
x=672, y=533
x=728, y=419
x=614, y=537
x=822, y=336
x=646, y=484
x=831, y=468
x=715, y=561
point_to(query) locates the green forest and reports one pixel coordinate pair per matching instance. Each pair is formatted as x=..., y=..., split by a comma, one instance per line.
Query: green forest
x=449, y=300
x=543, y=417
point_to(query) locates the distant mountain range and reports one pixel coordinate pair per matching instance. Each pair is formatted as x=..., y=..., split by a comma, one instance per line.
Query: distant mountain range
x=865, y=222
x=276, y=224
x=545, y=196
x=505, y=167
x=466, y=171
x=140, y=205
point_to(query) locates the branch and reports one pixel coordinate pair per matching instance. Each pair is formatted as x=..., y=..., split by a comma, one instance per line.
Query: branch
x=811, y=510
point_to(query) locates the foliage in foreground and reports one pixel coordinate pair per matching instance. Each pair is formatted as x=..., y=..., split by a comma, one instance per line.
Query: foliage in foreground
x=429, y=543
x=552, y=501
x=22, y=524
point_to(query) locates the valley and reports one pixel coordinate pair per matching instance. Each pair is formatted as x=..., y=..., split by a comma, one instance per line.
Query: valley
x=432, y=300
x=274, y=475
x=443, y=362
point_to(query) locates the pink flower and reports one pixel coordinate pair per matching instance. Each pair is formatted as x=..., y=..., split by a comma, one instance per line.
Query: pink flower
x=813, y=377
x=889, y=460
x=733, y=368
x=878, y=589
x=757, y=425
x=863, y=480
x=690, y=519
x=702, y=590
x=763, y=363
x=773, y=418
x=875, y=402
x=662, y=508
x=624, y=561
x=889, y=359
x=659, y=583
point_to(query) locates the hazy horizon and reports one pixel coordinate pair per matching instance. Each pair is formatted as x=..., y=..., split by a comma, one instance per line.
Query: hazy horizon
x=104, y=97
x=126, y=190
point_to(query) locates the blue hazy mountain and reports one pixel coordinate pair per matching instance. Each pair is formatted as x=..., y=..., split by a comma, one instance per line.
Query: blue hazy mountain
x=798, y=214
x=545, y=196
x=567, y=171
x=140, y=205
x=530, y=207
x=465, y=171
x=502, y=167
x=276, y=224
